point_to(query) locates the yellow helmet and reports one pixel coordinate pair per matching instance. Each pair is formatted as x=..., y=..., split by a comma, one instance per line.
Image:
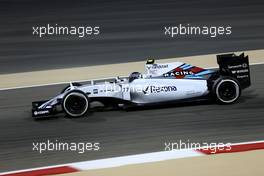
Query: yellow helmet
x=150, y=61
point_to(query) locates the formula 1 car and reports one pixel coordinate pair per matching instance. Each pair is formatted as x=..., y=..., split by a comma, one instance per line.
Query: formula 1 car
x=161, y=83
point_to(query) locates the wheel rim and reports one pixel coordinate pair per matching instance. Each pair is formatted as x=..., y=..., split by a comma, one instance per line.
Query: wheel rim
x=75, y=104
x=228, y=91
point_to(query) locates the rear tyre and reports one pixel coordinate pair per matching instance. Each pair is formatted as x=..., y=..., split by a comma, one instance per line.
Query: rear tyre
x=75, y=103
x=226, y=90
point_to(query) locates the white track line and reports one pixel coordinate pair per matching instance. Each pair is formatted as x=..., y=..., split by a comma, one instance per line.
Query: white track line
x=131, y=159
x=63, y=76
x=67, y=82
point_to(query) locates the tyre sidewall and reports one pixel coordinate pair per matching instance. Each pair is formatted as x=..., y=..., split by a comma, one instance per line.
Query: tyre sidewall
x=67, y=95
x=217, y=84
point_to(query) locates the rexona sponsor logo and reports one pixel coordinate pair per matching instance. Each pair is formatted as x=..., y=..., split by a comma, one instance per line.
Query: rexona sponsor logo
x=159, y=89
x=177, y=73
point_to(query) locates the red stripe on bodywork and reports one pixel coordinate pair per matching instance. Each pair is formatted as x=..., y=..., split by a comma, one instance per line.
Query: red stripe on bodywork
x=196, y=69
x=48, y=171
x=233, y=148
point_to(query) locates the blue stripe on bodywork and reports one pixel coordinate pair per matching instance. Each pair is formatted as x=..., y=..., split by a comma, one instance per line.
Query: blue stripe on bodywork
x=193, y=76
x=204, y=72
x=183, y=65
x=185, y=68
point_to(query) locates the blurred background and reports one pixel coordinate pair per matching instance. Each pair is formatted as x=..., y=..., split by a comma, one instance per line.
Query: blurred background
x=130, y=31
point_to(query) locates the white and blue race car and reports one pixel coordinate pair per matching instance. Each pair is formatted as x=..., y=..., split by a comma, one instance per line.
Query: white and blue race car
x=161, y=83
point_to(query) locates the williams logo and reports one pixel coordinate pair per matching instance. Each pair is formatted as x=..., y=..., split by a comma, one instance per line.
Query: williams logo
x=157, y=66
x=158, y=89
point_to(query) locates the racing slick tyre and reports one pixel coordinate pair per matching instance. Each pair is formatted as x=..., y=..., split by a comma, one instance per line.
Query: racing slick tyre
x=75, y=84
x=75, y=103
x=227, y=90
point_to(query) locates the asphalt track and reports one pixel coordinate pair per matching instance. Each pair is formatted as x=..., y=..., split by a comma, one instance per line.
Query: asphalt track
x=120, y=132
x=130, y=31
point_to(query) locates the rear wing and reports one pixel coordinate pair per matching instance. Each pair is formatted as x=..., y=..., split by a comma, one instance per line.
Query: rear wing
x=236, y=66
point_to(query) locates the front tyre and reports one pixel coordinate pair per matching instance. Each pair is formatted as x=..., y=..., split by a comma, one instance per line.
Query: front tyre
x=75, y=103
x=226, y=90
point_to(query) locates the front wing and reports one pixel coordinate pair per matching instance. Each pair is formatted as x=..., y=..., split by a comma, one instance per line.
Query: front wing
x=38, y=112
